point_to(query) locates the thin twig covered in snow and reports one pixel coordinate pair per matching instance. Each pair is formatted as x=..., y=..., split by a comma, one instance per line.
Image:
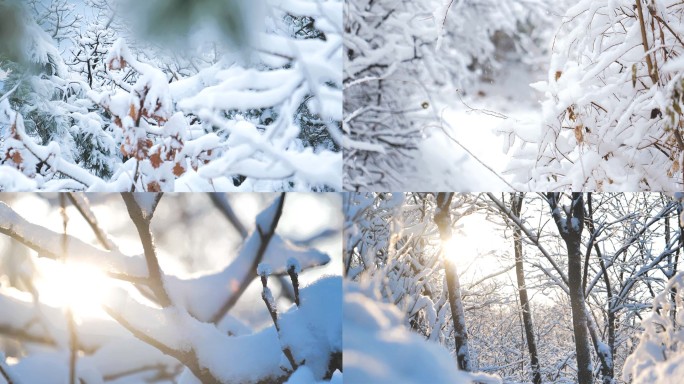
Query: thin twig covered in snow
x=47, y=244
x=261, y=236
x=267, y=297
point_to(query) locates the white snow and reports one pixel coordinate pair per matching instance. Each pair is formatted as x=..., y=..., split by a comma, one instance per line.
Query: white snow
x=264, y=269
x=135, y=113
x=147, y=202
x=485, y=163
x=378, y=349
x=313, y=331
x=575, y=224
x=50, y=242
x=659, y=356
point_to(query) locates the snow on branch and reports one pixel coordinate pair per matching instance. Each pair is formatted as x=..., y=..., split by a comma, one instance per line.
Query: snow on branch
x=45, y=325
x=47, y=244
x=262, y=247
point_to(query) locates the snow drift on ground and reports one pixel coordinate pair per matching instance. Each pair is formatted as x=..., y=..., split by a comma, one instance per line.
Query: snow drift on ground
x=378, y=349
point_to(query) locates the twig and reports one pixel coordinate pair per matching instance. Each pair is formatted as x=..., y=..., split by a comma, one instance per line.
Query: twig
x=441, y=126
x=655, y=16
x=73, y=346
x=644, y=41
x=292, y=270
x=162, y=373
x=142, y=224
x=221, y=202
x=267, y=296
x=80, y=202
x=189, y=358
x=11, y=91
x=447, y=12
x=4, y=372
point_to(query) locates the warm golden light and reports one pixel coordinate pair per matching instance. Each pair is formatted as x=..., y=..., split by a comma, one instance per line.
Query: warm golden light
x=450, y=249
x=79, y=287
x=474, y=250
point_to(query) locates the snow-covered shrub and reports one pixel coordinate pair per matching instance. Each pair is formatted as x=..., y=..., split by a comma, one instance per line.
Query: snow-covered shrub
x=612, y=112
x=151, y=318
x=370, y=219
x=128, y=115
x=659, y=356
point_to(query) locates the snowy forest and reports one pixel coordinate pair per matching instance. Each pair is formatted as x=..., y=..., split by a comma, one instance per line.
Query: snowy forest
x=515, y=95
x=513, y=287
x=170, y=95
x=185, y=288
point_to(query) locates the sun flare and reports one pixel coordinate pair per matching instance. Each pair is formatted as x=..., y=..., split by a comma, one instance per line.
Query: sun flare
x=473, y=252
x=450, y=249
x=82, y=288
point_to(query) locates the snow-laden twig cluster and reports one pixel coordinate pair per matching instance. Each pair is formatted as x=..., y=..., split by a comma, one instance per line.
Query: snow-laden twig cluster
x=659, y=355
x=612, y=108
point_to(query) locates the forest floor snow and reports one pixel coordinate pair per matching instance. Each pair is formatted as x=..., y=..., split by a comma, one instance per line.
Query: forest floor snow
x=472, y=117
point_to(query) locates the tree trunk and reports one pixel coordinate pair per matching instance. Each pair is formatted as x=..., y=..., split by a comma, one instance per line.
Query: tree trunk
x=605, y=355
x=516, y=207
x=570, y=229
x=443, y=221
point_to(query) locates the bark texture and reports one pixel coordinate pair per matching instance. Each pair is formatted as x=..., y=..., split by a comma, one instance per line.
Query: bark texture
x=443, y=221
x=570, y=228
x=516, y=207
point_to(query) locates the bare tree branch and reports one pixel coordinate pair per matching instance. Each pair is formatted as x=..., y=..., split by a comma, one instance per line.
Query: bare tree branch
x=221, y=202
x=80, y=201
x=142, y=224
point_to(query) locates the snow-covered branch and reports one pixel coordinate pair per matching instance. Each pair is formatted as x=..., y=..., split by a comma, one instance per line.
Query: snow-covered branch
x=159, y=324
